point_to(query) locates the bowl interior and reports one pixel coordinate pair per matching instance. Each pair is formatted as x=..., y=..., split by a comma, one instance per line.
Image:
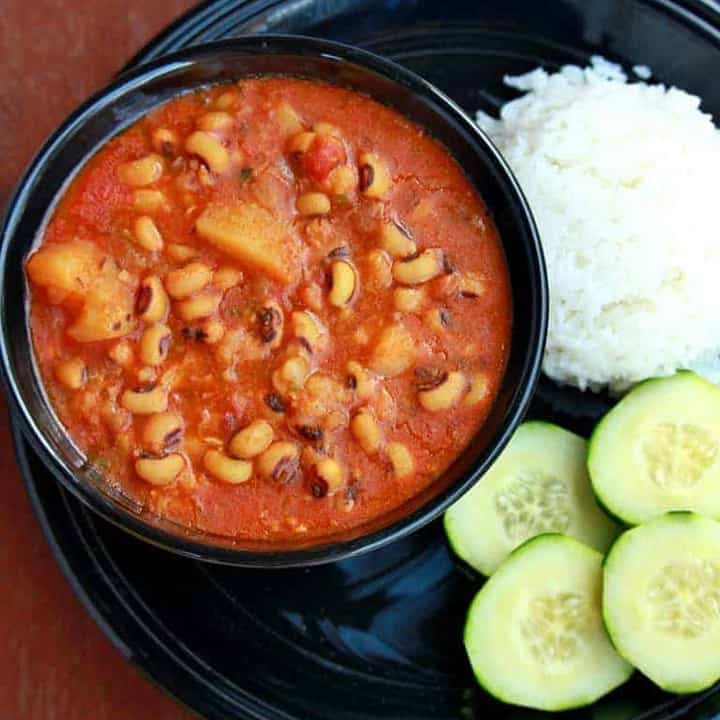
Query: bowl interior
x=133, y=95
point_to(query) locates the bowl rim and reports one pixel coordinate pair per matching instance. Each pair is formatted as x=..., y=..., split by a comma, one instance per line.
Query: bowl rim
x=323, y=552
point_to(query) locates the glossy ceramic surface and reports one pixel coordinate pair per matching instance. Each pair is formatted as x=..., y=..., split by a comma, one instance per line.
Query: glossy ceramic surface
x=377, y=637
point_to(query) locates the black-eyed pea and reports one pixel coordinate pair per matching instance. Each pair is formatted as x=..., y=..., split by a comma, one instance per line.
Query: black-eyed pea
x=437, y=319
x=227, y=100
x=142, y=172
x=154, y=344
x=379, y=268
x=401, y=459
x=343, y=283
x=160, y=471
x=366, y=430
x=252, y=440
x=479, y=389
x=408, y=299
x=314, y=434
x=342, y=180
x=226, y=469
x=72, y=373
x=308, y=326
x=209, y=149
x=375, y=180
x=227, y=277
x=360, y=380
x=122, y=354
x=290, y=377
x=270, y=324
x=146, y=400
x=426, y=266
x=152, y=303
x=199, y=306
x=162, y=432
x=326, y=478
x=165, y=141
x=445, y=394
x=471, y=285
x=396, y=241
x=394, y=352
x=215, y=121
x=313, y=203
x=279, y=462
x=301, y=142
x=212, y=331
x=180, y=253
x=147, y=235
x=149, y=201
x=288, y=119
x=187, y=280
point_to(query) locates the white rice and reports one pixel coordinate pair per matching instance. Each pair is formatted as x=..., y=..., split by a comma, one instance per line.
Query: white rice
x=623, y=181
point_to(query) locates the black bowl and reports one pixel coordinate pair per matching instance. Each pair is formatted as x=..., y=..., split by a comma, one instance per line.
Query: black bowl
x=135, y=93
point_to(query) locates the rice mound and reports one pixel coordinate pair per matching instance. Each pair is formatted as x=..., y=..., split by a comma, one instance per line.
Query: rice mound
x=623, y=181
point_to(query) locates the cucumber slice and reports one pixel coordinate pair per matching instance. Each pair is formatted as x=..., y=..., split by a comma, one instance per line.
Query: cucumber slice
x=657, y=450
x=534, y=632
x=539, y=484
x=661, y=600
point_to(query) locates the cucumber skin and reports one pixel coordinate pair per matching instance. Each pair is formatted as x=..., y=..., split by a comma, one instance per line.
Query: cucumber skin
x=477, y=574
x=680, y=515
x=592, y=450
x=614, y=513
x=479, y=679
x=622, y=523
x=451, y=535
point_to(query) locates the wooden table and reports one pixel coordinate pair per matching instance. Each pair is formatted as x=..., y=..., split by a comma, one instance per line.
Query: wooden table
x=55, y=664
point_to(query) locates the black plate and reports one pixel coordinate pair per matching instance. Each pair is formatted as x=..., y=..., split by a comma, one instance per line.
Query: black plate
x=379, y=636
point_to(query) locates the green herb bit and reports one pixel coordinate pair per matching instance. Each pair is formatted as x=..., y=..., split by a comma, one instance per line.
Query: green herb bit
x=246, y=173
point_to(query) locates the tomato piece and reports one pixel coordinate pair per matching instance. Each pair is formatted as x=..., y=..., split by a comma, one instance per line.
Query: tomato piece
x=323, y=155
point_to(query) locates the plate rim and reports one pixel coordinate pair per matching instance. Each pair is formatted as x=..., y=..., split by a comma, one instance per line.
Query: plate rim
x=208, y=12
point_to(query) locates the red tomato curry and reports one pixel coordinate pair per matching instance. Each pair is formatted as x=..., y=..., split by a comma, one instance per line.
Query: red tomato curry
x=271, y=309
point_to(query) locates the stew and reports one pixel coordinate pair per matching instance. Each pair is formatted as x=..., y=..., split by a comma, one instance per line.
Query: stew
x=271, y=309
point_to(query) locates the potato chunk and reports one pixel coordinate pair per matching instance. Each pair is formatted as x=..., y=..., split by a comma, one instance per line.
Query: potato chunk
x=107, y=312
x=394, y=352
x=80, y=271
x=251, y=235
x=69, y=267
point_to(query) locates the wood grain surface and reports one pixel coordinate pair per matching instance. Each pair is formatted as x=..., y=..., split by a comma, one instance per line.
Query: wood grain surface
x=55, y=664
